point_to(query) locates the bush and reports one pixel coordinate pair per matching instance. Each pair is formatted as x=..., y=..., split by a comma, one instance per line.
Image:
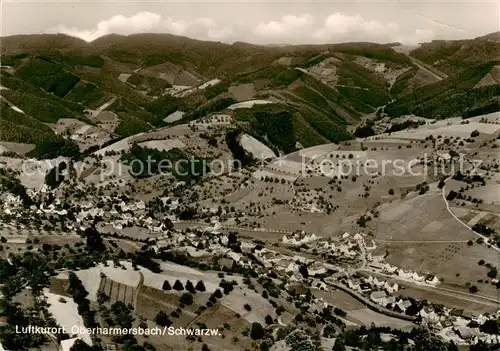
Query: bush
x=247, y=307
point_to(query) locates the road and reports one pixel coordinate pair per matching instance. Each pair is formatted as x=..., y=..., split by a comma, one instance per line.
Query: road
x=361, y=245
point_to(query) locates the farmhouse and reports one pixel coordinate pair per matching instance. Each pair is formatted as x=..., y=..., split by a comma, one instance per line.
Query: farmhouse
x=391, y=289
x=299, y=239
x=432, y=279
x=377, y=265
x=467, y=333
x=317, y=268
x=389, y=300
x=378, y=295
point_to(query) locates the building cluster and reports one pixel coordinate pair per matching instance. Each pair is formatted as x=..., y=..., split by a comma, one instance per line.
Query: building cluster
x=407, y=275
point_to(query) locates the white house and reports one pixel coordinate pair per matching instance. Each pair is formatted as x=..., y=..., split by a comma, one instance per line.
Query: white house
x=378, y=295
x=391, y=289
x=432, y=279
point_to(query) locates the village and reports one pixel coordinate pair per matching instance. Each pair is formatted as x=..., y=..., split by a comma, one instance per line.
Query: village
x=344, y=263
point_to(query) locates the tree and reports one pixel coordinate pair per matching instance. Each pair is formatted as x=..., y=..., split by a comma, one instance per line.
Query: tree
x=80, y=345
x=441, y=184
x=163, y=319
x=247, y=307
x=339, y=312
x=200, y=286
x=493, y=273
x=451, y=195
x=204, y=347
x=122, y=315
x=232, y=239
x=168, y=223
x=226, y=286
x=473, y=289
x=257, y=331
x=339, y=345
x=166, y=285
x=186, y=299
x=55, y=177
x=490, y=327
x=218, y=293
x=264, y=346
x=391, y=191
x=303, y=270
x=190, y=287
x=94, y=240
x=178, y=285
x=269, y=319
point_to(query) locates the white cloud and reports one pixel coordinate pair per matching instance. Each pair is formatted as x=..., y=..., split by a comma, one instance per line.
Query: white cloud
x=207, y=22
x=220, y=33
x=286, y=26
x=339, y=26
x=146, y=22
x=417, y=37
x=288, y=29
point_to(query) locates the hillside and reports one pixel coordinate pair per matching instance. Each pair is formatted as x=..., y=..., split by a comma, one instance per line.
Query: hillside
x=471, y=86
x=141, y=79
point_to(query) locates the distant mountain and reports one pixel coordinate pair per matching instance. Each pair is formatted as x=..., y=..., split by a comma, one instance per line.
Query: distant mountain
x=318, y=90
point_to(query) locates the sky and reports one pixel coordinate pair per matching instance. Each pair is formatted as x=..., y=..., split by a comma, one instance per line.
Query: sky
x=257, y=21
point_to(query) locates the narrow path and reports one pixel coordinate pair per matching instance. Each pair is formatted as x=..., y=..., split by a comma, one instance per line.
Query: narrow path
x=485, y=238
x=104, y=106
x=137, y=289
x=421, y=65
